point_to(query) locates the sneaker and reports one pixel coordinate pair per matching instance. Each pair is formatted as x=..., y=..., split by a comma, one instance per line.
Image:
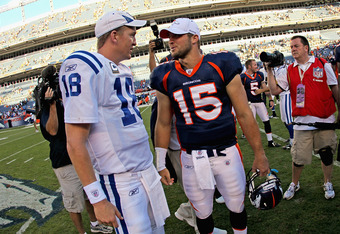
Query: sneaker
x=101, y=228
x=219, y=231
x=287, y=147
x=273, y=144
x=220, y=200
x=243, y=136
x=184, y=213
x=329, y=191
x=289, y=194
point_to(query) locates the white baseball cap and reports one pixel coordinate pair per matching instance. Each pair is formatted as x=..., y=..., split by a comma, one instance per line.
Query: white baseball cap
x=115, y=19
x=181, y=26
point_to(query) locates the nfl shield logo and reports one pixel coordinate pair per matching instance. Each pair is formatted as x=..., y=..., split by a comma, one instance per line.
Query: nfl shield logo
x=318, y=72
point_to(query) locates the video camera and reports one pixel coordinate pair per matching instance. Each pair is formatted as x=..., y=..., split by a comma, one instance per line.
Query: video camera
x=49, y=79
x=158, y=41
x=275, y=59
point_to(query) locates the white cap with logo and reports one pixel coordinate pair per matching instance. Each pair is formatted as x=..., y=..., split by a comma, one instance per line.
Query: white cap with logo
x=181, y=26
x=115, y=19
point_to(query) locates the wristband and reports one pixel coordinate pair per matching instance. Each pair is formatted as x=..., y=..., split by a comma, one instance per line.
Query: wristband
x=160, y=158
x=94, y=192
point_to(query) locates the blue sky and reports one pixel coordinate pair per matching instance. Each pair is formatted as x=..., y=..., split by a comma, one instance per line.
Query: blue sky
x=31, y=10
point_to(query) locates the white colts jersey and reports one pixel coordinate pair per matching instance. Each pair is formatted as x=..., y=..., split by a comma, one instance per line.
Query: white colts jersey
x=96, y=91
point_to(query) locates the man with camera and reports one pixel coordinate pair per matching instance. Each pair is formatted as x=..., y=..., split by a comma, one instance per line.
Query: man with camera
x=314, y=90
x=254, y=84
x=53, y=129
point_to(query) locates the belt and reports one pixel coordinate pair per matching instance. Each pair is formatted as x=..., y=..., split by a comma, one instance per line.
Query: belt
x=211, y=152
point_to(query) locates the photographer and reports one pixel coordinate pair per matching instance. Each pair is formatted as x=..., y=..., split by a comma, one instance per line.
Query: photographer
x=313, y=87
x=53, y=129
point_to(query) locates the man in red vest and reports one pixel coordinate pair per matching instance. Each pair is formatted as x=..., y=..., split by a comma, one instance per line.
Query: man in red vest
x=314, y=90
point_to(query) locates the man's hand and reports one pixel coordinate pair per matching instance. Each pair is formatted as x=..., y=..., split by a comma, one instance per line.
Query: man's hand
x=106, y=213
x=49, y=94
x=152, y=45
x=165, y=174
x=261, y=163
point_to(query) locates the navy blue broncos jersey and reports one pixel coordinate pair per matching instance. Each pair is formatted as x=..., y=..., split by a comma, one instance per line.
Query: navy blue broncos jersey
x=204, y=118
x=251, y=83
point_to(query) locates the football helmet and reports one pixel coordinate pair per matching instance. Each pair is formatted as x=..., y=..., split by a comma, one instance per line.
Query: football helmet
x=268, y=194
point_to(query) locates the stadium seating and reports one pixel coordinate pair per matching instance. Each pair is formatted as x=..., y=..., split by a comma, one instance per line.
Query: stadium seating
x=87, y=14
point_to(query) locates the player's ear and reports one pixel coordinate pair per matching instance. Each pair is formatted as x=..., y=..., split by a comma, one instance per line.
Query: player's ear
x=114, y=35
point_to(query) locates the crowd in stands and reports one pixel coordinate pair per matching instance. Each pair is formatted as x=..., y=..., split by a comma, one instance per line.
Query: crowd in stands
x=89, y=13
x=86, y=13
x=13, y=110
x=16, y=92
x=224, y=23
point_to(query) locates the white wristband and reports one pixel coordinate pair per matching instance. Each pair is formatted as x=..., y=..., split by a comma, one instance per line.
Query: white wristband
x=160, y=154
x=94, y=192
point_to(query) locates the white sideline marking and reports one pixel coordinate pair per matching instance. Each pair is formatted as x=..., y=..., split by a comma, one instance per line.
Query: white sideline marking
x=146, y=108
x=4, y=138
x=25, y=226
x=16, y=138
x=46, y=159
x=28, y=160
x=22, y=150
x=11, y=161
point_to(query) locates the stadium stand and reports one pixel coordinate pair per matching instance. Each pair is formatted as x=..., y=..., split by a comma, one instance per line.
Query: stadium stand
x=246, y=27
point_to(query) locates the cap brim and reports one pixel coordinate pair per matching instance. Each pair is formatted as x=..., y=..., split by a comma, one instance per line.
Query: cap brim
x=164, y=33
x=136, y=23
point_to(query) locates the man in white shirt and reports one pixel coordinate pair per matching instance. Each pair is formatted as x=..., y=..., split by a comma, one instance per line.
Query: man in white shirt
x=107, y=141
x=313, y=87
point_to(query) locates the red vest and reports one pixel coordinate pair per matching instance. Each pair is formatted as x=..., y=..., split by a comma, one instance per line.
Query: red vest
x=319, y=100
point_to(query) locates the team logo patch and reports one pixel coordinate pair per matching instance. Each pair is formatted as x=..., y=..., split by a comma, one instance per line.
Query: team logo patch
x=114, y=68
x=227, y=162
x=71, y=68
x=318, y=72
x=134, y=192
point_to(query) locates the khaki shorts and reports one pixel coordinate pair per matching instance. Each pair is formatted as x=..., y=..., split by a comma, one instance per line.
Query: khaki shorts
x=71, y=189
x=305, y=141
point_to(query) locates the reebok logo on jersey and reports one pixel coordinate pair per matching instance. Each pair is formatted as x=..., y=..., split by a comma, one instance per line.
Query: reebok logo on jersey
x=71, y=68
x=114, y=68
x=134, y=192
x=95, y=193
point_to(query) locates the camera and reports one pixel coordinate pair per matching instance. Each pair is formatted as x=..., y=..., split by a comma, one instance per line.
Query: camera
x=275, y=59
x=158, y=41
x=49, y=79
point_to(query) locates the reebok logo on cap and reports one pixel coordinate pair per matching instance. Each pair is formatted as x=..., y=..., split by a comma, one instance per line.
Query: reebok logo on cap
x=115, y=19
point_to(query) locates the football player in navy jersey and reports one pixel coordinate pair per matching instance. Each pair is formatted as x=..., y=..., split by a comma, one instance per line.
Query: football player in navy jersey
x=254, y=84
x=201, y=91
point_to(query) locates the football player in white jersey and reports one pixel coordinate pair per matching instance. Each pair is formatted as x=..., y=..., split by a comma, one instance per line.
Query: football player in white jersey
x=107, y=141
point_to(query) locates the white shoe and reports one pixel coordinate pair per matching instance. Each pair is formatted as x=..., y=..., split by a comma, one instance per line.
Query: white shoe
x=289, y=194
x=184, y=213
x=220, y=200
x=329, y=191
x=219, y=231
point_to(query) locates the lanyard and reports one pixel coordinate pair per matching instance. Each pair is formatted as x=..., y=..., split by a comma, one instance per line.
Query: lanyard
x=301, y=72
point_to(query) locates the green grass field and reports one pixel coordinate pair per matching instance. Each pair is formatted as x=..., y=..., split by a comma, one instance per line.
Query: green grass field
x=27, y=179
